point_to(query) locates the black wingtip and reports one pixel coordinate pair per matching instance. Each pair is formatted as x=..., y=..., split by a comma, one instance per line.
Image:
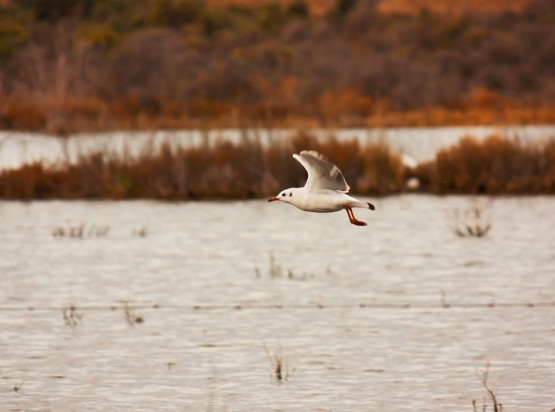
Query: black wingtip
x=371, y=206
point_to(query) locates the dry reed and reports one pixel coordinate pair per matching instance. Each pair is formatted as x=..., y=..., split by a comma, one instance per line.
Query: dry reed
x=492, y=166
x=472, y=221
x=224, y=170
x=130, y=316
x=280, y=370
x=71, y=316
x=248, y=169
x=496, y=405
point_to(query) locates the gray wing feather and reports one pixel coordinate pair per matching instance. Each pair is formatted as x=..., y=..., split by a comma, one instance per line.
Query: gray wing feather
x=322, y=173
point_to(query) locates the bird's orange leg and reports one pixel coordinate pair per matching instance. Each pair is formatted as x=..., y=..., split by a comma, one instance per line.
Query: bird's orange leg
x=352, y=217
x=351, y=214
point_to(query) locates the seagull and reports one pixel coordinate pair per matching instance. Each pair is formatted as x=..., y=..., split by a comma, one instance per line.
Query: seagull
x=325, y=190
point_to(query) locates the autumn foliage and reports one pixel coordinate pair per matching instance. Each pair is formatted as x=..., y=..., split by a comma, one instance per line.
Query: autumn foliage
x=125, y=64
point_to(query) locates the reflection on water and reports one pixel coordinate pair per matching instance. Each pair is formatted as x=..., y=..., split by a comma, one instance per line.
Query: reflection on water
x=416, y=143
x=339, y=358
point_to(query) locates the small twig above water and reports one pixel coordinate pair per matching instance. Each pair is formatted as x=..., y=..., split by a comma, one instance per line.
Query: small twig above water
x=444, y=299
x=71, y=316
x=17, y=387
x=141, y=232
x=81, y=231
x=497, y=407
x=130, y=317
x=275, y=271
x=472, y=221
x=280, y=371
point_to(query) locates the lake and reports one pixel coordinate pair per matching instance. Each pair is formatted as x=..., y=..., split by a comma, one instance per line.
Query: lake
x=224, y=289
x=416, y=144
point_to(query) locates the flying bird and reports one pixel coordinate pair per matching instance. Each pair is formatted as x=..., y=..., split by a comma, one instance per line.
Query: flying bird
x=325, y=190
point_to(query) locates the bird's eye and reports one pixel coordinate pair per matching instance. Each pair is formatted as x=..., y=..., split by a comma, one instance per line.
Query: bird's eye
x=290, y=194
x=283, y=194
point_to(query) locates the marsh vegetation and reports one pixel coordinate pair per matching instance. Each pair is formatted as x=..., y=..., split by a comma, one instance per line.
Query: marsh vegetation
x=474, y=220
x=250, y=169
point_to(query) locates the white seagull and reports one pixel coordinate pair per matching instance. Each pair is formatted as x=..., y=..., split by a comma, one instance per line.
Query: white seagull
x=325, y=190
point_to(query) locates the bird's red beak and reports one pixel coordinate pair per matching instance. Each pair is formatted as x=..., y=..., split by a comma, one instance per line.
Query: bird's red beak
x=273, y=198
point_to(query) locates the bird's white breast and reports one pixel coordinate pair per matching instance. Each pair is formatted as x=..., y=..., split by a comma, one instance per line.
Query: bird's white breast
x=322, y=201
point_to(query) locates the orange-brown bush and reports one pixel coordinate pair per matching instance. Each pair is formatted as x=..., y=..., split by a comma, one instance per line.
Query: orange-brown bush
x=494, y=166
x=224, y=170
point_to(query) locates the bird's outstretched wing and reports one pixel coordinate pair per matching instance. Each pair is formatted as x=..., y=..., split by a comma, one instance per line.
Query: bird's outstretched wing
x=322, y=173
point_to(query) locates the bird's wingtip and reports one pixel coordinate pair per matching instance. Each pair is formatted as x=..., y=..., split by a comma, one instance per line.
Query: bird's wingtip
x=371, y=206
x=312, y=153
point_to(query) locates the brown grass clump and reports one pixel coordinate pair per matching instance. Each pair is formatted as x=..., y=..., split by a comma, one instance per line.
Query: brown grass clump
x=223, y=170
x=249, y=169
x=472, y=221
x=494, y=166
x=71, y=316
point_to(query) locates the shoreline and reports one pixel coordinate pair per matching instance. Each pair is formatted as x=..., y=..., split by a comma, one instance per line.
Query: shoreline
x=248, y=169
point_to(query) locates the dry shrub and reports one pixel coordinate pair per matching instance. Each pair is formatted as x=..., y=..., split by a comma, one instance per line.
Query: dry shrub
x=369, y=169
x=27, y=182
x=21, y=113
x=248, y=169
x=494, y=165
x=223, y=170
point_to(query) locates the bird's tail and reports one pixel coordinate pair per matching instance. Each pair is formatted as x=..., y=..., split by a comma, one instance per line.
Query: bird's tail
x=364, y=205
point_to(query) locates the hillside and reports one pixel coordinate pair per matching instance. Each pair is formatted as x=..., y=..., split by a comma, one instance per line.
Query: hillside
x=107, y=64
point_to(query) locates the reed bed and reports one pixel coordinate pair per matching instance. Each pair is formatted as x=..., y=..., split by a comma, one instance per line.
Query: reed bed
x=222, y=170
x=249, y=169
x=493, y=166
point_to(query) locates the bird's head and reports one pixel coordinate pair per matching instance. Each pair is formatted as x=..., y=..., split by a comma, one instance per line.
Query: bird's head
x=287, y=195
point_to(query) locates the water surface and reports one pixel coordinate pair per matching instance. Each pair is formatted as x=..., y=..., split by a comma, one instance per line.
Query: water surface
x=339, y=357
x=414, y=143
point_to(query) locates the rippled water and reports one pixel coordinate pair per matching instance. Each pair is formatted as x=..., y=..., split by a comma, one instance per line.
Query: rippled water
x=339, y=358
